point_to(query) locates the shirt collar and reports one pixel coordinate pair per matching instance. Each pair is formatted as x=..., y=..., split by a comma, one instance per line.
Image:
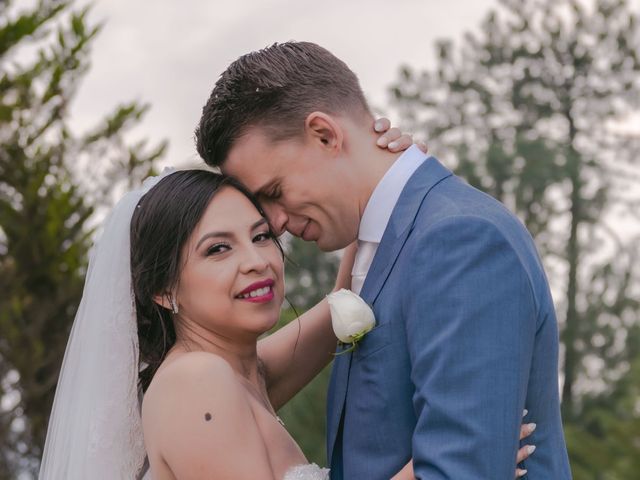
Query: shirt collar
x=385, y=196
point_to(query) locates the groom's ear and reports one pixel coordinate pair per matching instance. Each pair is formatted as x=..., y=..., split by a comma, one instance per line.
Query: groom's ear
x=323, y=129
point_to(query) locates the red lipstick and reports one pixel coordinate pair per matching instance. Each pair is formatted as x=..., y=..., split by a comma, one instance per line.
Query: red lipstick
x=263, y=297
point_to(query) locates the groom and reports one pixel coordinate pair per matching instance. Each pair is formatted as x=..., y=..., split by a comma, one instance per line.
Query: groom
x=466, y=334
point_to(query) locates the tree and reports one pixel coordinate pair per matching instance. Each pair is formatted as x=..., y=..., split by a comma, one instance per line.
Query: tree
x=535, y=110
x=52, y=182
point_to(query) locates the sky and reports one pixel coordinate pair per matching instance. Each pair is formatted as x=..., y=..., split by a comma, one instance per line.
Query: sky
x=169, y=53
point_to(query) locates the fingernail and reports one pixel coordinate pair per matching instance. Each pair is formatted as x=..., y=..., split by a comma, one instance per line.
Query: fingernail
x=531, y=449
x=393, y=145
x=531, y=427
x=382, y=142
x=377, y=126
x=525, y=412
x=522, y=473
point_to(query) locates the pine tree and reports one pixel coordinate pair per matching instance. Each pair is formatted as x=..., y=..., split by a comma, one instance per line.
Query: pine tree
x=52, y=182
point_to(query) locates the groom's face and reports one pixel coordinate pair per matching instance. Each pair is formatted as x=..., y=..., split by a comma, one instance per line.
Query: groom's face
x=300, y=186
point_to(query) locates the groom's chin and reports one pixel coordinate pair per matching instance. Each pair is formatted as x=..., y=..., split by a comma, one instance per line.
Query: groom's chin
x=328, y=238
x=331, y=244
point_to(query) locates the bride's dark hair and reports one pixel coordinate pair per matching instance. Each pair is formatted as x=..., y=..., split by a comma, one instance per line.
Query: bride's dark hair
x=161, y=225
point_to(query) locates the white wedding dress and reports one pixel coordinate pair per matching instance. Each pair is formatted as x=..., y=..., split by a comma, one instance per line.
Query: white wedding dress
x=307, y=472
x=299, y=472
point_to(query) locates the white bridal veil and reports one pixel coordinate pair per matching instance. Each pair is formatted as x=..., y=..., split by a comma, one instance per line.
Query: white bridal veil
x=95, y=429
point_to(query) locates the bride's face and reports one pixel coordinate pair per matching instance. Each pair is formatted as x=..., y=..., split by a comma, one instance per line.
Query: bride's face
x=232, y=280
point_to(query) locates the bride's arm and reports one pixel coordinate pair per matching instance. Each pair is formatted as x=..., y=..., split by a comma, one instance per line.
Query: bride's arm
x=296, y=353
x=197, y=421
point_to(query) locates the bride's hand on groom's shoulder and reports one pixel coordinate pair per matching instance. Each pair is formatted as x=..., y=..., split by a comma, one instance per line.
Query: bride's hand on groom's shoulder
x=393, y=139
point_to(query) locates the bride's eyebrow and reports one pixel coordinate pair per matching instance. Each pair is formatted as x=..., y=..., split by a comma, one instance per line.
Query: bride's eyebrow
x=257, y=224
x=214, y=234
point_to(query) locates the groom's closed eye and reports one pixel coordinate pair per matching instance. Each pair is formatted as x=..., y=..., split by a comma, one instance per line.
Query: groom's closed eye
x=274, y=193
x=271, y=191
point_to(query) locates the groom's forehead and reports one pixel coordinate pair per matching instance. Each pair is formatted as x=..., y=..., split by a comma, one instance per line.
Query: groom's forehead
x=246, y=151
x=255, y=161
x=251, y=174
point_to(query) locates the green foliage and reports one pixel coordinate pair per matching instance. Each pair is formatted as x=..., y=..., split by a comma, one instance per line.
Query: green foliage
x=47, y=201
x=305, y=414
x=305, y=418
x=310, y=276
x=532, y=110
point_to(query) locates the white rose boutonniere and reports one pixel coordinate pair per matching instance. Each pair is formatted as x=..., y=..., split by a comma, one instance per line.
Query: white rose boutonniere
x=351, y=317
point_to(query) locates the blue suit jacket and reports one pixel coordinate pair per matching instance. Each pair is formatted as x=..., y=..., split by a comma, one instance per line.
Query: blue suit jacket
x=466, y=338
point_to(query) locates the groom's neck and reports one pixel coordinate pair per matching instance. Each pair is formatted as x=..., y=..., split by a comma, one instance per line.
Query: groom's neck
x=370, y=162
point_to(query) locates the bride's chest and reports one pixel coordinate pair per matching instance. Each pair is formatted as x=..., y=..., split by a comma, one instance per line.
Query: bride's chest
x=282, y=449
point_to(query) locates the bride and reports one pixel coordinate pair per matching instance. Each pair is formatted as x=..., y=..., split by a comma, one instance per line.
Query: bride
x=209, y=410
x=184, y=281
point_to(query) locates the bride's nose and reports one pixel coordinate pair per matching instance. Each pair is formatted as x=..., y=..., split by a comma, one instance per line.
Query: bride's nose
x=254, y=260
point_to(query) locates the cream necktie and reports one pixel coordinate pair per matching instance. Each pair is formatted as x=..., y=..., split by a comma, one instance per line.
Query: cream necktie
x=364, y=257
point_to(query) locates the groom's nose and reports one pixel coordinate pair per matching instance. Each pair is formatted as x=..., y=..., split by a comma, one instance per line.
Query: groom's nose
x=277, y=216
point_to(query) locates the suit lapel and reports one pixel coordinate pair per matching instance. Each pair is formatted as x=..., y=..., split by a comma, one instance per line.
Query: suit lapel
x=336, y=398
x=429, y=174
x=400, y=225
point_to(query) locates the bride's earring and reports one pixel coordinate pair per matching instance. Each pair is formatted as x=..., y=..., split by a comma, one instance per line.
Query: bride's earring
x=174, y=305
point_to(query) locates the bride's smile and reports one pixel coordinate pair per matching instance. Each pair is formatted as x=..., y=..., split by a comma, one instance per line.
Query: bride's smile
x=258, y=292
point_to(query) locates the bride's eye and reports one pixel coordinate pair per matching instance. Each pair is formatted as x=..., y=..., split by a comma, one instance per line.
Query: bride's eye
x=217, y=248
x=262, y=237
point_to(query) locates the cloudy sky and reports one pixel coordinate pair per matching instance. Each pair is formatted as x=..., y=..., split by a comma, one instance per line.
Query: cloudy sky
x=169, y=53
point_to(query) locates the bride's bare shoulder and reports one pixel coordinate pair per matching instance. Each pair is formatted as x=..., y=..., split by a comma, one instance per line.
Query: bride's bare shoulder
x=197, y=396
x=186, y=366
x=199, y=370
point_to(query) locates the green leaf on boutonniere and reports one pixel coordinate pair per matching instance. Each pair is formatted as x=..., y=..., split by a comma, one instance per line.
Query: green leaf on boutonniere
x=353, y=344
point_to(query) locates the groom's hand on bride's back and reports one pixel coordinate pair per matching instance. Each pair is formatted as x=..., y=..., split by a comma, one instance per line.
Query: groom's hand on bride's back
x=393, y=139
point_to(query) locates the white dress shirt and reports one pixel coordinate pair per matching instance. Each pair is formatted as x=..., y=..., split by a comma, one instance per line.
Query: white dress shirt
x=378, y=211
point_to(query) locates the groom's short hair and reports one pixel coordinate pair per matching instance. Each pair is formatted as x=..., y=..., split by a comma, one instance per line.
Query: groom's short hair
x=275, y=89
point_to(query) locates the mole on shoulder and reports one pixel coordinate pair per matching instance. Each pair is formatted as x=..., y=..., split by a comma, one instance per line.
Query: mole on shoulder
x=207, y=416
